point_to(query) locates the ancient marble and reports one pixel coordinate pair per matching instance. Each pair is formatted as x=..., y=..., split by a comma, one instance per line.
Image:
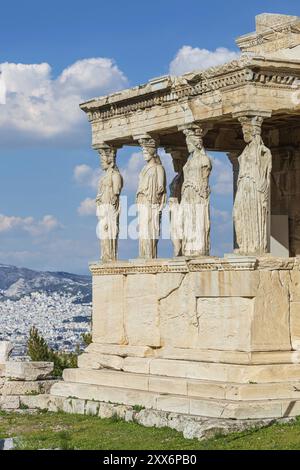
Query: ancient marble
x=108, y=203
x=251, y=212
x=195, y=196
x=179, y=157
x=150, y=198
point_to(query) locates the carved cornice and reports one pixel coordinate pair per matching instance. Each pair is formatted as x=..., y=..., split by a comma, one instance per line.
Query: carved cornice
x=235, y=73
x=186, y=265
x=256, y=39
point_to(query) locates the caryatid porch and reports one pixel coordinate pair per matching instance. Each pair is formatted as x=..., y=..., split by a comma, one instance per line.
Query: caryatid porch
x=195, y=334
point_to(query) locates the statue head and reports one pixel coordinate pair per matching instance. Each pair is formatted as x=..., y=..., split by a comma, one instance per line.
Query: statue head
x=194, y=139
x=107, y=157
x=149, y=147
x=251, y=127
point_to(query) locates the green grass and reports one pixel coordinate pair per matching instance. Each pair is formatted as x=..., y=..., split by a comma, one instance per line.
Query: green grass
x=68, y=431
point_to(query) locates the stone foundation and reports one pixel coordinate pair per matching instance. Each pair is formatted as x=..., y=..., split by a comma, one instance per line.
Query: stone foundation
x=215, y=338
x=22, y=383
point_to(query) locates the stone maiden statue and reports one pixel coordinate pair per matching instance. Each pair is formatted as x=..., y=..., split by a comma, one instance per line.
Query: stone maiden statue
x=150, y=198
x=179, y=157
x=251, y=207
x=108, y=204
x=195, y=196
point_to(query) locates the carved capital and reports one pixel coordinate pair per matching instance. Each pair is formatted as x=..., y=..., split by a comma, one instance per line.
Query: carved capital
x=196, y=129
x=107, y=153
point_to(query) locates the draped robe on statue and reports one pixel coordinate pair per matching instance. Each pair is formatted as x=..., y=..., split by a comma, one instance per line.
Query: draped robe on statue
x=108, y=211
x=176, y=213
x=151, y=197
x=195, y=204
x=251, y=205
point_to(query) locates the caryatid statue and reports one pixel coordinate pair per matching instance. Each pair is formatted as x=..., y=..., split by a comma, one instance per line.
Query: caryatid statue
x=150, y=198
x=108, y=203
x=195, y=196
x=179, y=157
x=251, y=209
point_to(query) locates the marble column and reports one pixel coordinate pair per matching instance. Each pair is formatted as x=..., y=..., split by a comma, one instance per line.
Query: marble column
x=234, y=160
x=179, y=156
x=251, y=211
x=150, y=198
x=195, y=195
x=108, y=203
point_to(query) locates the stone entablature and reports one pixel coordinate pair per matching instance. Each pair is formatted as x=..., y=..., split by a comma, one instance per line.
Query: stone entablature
x=117, y=117
x=184, y=265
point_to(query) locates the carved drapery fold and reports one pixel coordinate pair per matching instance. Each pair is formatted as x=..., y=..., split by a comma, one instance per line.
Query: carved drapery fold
x=150, y=198
x=195, y=195
x=179, y=156
x=108, y=203
x=251, y=212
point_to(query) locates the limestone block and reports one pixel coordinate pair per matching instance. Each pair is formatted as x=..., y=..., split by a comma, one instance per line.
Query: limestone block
x=40, y=402
x=99, y=361
x=262, y=391
x=173, y=404
x=138, y=365
x=120, y=350
x=78, y=406
x=92, y=408
x=106, y=410
x=295, y=286
x=270, y=329
x=254, y=410
x=204, y=355
x=9, y=402
x=212, y=408
x=108, y=309
x=142, y=316
x=224, y=323
x=103, y=393
x=28, y=370
x=225, y=283
x=17, y=387
x=177, y=309
x=168, y=385
x=200, y=388
x=6, y=348
x=295, y=325
x=106, y=378
x=226, y=372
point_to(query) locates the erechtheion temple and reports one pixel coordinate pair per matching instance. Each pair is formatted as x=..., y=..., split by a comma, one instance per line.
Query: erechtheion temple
x=196, y=334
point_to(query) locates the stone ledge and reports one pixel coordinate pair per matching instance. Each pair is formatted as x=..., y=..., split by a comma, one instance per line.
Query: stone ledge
x=192, y=426
x=28, y=371
x=205, y=407
x=230, y=262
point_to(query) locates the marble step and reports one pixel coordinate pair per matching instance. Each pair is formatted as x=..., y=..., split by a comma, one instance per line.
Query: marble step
x=235, y=373
x=178, y=404
x=184, y=386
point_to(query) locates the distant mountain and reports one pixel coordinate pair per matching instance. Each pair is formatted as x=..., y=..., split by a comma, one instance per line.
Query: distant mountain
x=15, y=283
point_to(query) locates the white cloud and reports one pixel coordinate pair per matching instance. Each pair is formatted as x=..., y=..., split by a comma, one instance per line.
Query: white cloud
x=87, y=176
x=190, y=58
x=40, y=107
x=28, y=224
x=87, y=207
x=222, y=176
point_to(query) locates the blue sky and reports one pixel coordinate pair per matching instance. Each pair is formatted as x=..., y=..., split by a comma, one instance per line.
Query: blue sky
x=70, y=51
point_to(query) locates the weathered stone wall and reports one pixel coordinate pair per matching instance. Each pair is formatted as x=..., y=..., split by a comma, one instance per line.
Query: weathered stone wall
x=22, y=383
x=228, y=310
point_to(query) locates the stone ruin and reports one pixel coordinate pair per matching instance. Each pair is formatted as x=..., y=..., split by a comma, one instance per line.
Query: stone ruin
x=197, y=336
